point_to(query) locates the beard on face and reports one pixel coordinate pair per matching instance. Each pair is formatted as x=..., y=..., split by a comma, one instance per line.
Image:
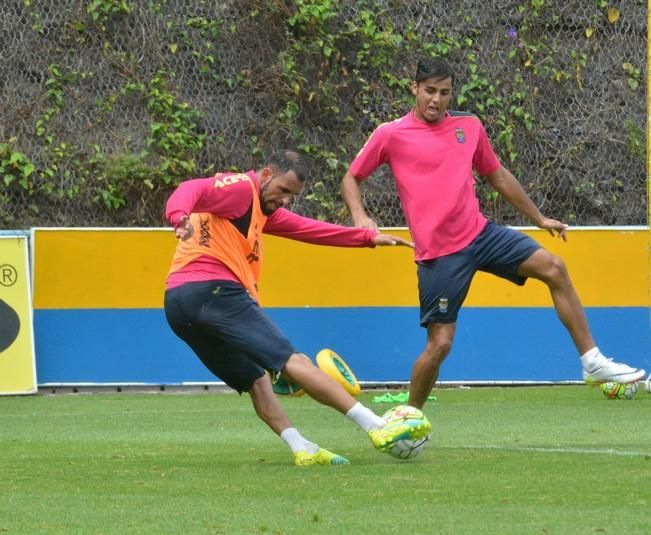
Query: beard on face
x=266, y=207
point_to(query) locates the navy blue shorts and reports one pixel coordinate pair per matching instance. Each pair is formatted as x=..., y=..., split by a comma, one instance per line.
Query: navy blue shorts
x=227, y=330
x=443, y=282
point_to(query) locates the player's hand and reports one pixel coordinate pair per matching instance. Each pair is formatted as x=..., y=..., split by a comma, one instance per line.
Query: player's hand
x=184, y=230
x=389, y=239
x=555, y=228
x=365, y=222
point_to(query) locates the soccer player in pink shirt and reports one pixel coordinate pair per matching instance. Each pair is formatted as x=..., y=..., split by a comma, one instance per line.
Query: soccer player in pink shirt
x=432, y=152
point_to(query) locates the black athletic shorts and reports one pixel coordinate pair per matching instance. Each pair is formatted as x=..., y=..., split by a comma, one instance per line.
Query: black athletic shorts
x=227, y=330
x=443, y=282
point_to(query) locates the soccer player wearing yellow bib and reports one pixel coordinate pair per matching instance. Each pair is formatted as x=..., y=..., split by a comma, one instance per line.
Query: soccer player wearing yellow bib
x=211, y=299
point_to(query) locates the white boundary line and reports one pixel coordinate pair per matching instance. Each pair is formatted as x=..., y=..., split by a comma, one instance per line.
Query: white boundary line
x=540, y=449
x=371, y=385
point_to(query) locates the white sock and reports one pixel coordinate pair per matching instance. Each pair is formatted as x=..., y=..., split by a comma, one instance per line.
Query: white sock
x=365, y=417
x=590, y=358
x=297, y=442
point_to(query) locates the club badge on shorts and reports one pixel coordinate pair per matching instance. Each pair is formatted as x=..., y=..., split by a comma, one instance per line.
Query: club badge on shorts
x=443, y=305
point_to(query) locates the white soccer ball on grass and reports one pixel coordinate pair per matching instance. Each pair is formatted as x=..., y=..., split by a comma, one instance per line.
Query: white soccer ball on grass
x=408, y=448
x=619, y=390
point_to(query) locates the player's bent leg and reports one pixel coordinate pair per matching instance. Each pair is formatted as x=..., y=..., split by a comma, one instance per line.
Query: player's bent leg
x=550, y=269
x=317, y=384
x=597, y=368
x=425, y=371
x=324, y=389
x=267, y=406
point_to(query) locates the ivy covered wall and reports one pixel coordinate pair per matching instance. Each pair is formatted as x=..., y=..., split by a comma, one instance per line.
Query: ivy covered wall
x=105, y=105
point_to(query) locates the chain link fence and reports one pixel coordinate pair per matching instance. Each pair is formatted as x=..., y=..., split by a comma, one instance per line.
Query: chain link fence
x=106, y=104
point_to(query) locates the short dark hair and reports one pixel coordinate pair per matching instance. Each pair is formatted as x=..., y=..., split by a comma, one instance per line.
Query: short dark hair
x=436, y=68
x=288, y=160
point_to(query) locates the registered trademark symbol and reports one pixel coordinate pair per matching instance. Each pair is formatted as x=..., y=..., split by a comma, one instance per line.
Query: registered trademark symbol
x=8, y=275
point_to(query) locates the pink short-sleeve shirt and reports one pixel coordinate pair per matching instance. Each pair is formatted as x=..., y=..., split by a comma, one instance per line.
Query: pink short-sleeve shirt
x=433, y=168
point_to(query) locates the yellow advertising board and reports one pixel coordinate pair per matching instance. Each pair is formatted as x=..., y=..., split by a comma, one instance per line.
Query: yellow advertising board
x=17, y=363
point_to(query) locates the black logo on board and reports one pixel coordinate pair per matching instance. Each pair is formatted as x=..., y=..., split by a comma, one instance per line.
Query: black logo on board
x=9, y=325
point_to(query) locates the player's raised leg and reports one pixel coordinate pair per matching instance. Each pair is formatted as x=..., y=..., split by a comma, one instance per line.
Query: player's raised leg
x=597, y=368
x=324, y=389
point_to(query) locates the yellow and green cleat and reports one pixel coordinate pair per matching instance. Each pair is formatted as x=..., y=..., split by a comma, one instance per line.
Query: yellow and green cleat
x=322, y=456
x=412, y=427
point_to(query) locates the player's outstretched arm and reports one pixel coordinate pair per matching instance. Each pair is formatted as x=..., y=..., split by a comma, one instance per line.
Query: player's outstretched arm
x=511, y=190
x=287, y=224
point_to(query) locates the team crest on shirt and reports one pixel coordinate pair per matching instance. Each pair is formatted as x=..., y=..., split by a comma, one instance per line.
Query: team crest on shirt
x=443, y=305
x=461, y=137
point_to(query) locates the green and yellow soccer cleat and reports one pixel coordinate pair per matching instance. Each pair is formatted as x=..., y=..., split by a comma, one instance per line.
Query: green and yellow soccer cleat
x=322, y=456
x=399, y=429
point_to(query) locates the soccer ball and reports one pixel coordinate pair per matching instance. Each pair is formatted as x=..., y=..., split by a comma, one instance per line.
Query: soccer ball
x=619, y=391
x=408, y=448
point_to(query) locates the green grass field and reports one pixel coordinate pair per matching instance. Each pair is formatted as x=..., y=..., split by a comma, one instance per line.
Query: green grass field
x=502, y=460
